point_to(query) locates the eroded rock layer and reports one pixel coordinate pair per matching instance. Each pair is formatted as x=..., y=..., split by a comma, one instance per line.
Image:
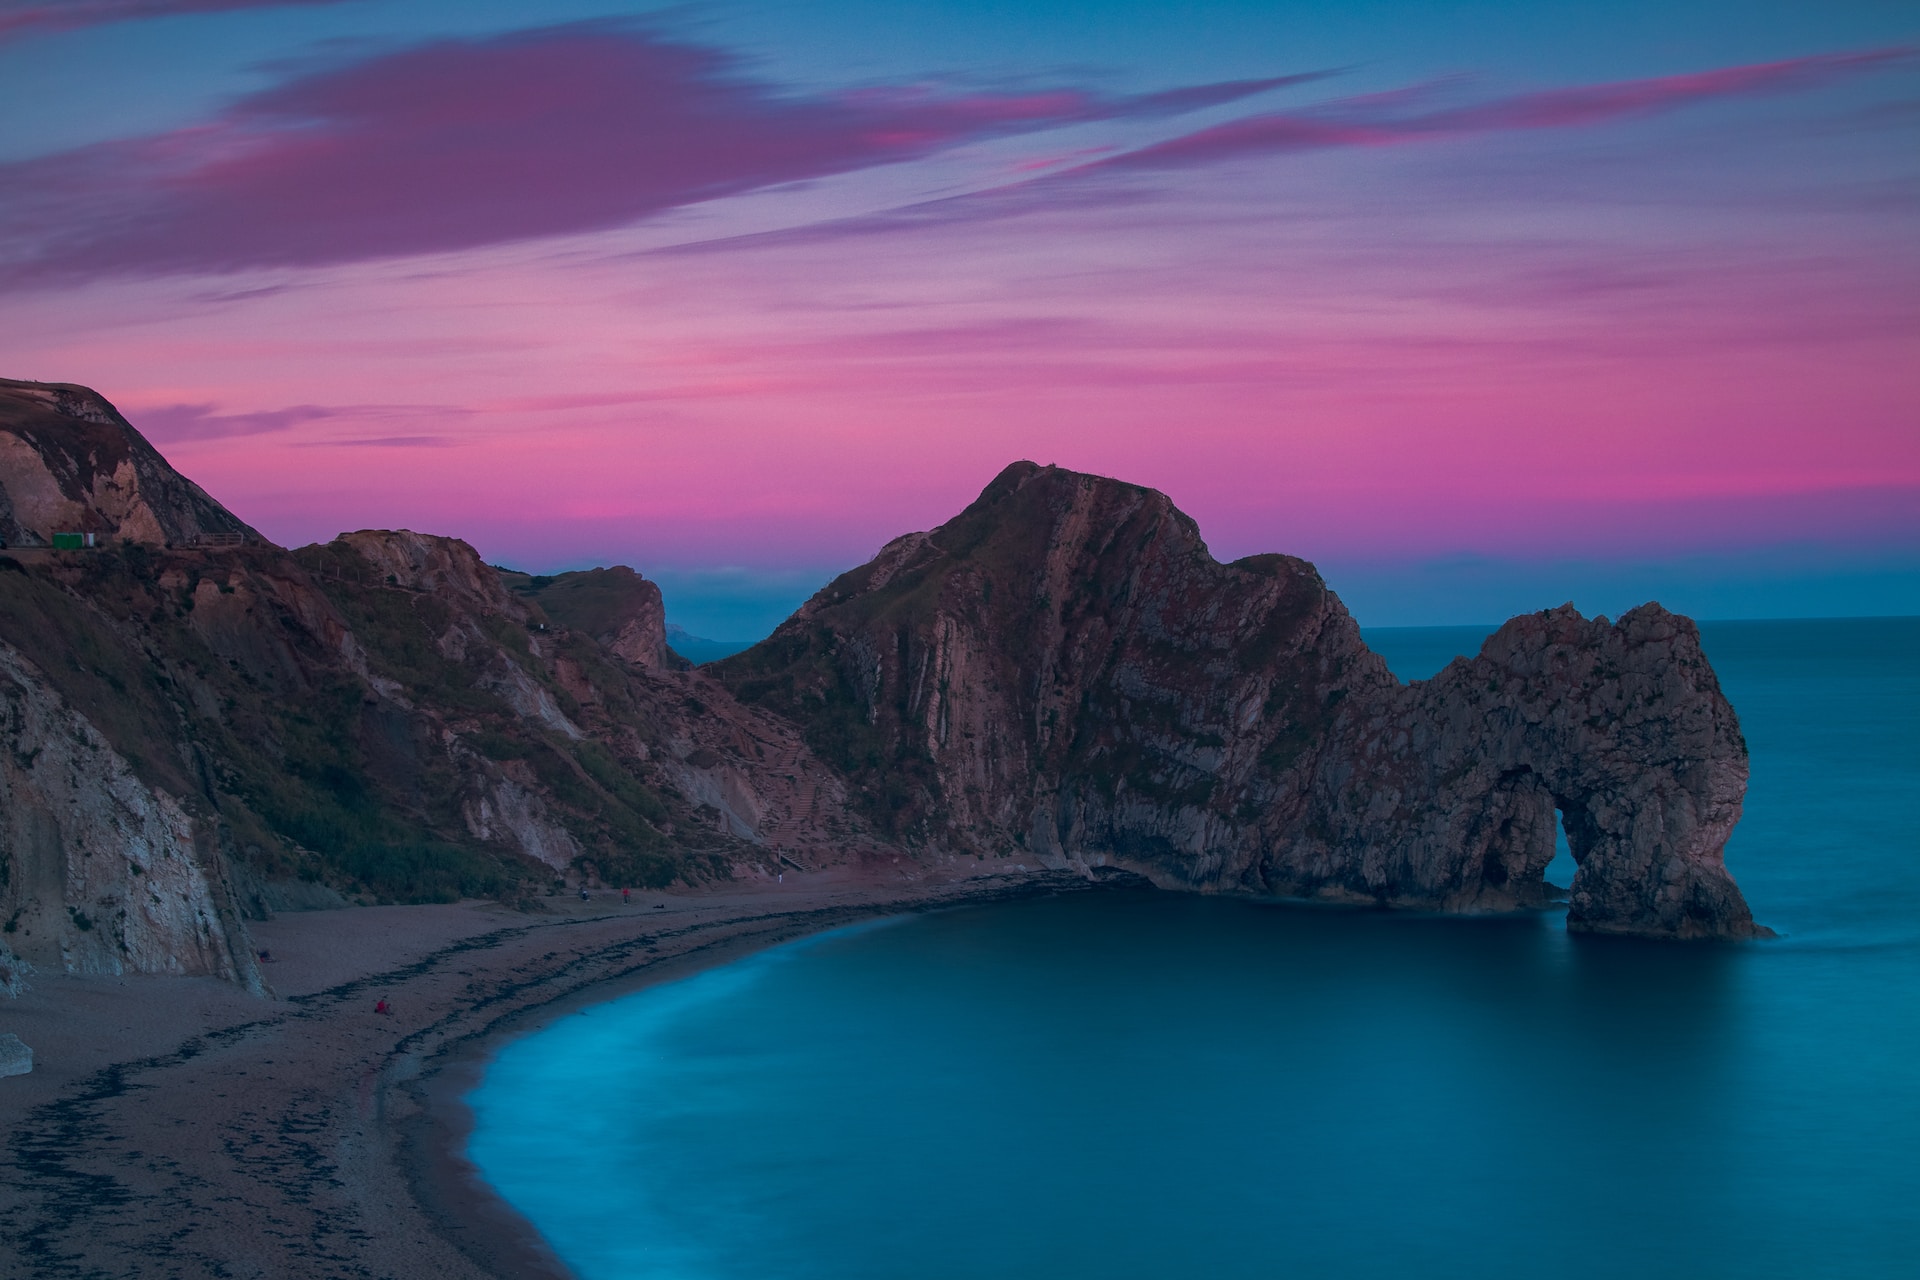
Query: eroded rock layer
x=192, y=724
x=99, y=872
x=69, y=463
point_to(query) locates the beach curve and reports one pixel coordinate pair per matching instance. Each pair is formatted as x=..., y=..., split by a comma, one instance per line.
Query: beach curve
x=177, y=1127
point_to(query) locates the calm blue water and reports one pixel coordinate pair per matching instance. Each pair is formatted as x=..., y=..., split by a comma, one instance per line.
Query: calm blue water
x=1155, y=1085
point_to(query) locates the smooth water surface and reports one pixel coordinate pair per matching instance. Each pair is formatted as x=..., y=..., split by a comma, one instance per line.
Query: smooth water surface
x=1157, y=1085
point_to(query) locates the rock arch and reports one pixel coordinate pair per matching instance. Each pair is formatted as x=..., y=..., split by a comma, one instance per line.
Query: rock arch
x=1621, y=728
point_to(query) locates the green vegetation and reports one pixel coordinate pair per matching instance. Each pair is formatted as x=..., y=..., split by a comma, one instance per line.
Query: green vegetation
x=596, y=601
x=806, y=677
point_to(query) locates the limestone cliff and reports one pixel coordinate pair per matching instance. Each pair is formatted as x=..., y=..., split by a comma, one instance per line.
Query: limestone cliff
x=1064, y=668
x=70, y=463
x=378, y=717
x=99, y=872
x=1447, y=790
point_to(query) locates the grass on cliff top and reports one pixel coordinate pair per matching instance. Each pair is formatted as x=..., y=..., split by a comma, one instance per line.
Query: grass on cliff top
x=612, y=814
x=596, y=601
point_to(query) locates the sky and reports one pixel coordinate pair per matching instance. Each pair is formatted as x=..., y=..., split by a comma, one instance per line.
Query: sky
x=1480, y=306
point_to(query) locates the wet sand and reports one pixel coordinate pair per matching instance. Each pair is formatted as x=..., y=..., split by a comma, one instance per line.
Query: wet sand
x=181, y=1127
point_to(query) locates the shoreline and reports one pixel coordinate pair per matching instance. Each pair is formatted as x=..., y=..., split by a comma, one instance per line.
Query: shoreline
x=180, y=1127
x=431, y=1146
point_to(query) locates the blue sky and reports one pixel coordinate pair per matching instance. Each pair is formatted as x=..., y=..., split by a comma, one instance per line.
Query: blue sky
x=1481, y=306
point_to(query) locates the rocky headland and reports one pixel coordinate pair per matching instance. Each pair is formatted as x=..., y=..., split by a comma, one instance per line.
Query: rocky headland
x=1065, y=670
x=223, y=763
x=202, y=728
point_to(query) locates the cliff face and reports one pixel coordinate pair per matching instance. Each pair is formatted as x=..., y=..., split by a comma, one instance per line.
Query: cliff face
x=621, y=610
x=70, y=463
x=100, y=873
x=1064, y=668
x=378, y=717
x=1449, y=788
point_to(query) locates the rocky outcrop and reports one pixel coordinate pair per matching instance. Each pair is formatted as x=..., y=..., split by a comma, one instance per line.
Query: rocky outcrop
x=617, y=607
x=14, y=972
x=381, y=717
x=1448, y=790
x=100, y=873
x=197, y=719
x=1065, y=669
x=70, y=463
x=423, y=562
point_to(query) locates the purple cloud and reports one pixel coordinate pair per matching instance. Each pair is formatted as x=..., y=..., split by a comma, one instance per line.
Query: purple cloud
x=384, y=442
x=464, y=143
x=174, y=422
x=1386, y=119
x=21, y=18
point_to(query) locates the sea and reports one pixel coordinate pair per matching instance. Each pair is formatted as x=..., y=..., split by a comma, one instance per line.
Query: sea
x=1124, y=1084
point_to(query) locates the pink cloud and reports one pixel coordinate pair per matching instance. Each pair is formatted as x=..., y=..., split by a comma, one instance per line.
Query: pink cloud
x=165, y=424
x=169, y=424
x=464, y=143
x=1303, y=364
x=384, y=442
x=1384, y=119
x=1594, y=104
x=21, y=18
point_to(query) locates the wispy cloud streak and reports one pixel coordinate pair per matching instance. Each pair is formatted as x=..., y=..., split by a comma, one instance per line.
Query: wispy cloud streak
x=459, y=144
x=22, y=18
x=174, y=422
x=179, y=423
x=1390, y=119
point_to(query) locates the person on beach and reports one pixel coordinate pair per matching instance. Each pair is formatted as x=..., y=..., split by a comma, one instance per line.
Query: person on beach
x=584, y=895
x=626, y=897
x=382, y=1006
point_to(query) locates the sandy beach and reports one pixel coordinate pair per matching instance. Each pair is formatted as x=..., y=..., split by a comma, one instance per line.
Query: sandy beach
x=181, y=1127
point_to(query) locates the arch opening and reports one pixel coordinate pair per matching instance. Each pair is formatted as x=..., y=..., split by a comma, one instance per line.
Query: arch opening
x=1559, y=871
